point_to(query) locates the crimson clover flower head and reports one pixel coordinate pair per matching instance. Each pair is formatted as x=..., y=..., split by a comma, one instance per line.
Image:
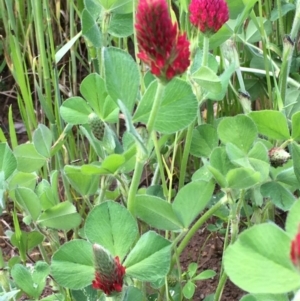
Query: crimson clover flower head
x=208, y=15
x=109, y=272
x=161, y=46
x=295, y=250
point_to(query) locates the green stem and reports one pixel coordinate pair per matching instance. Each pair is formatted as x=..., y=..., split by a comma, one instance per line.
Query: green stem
x=296, y=22
x=280, y=19
x=37, y=7
x=140, y=158
x=288, y=48
x=136, y=48
x=196, y=227
x=286, y=143
x=156, y=104
x=189, y=135
x=186, y=152
x=209, y=103
x=160, y=164
x=220, y=287
x=235, y=213
x=101, y=197
x=205, y=51
x=137, y=174
x=285, y=67
x=172, y=167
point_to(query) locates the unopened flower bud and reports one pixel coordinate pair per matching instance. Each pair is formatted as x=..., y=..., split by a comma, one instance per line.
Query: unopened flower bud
x=109, y=272
x=172, y=280
x=97, y=125
x=278, y=156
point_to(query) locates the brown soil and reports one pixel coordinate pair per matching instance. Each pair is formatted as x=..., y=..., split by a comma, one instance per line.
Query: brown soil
x=208, y=254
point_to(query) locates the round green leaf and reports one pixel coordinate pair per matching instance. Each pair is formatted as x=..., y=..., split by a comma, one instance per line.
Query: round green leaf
x=255, y=260
x=85, y=294
x=240, y=130
x=205, y=275
x=150, y=258
x=295, y=126
x=94, y=7
x=108, y=166
x=131, y=293
x=272, y=124
x=62, y=216
x=90, y=28
x=208, y=80
x=177, y=110
x=23, y=280
x=121, y=76
x=202, y=174
x=253, y=33
x=296, y=159
x=8, y=162
x=204, y=140
x=189, y=197
x=21, y=179
x=259, y=151
x=242, y=178
x=236, y=155
x=156, y=212
x=85, y=184
x=28, y=239
x=92, y=88
x=189, y=290
x=28, y=159
x=118, y=228
x=262, y=167
x=292, y=223
x=72, y=264
x=287, y=176
x=220, y=179
x=265, y=297
x=121, y=26
x=279, y=195
x=220, y=161
x=117, y=6
x=42, y=140
x=235, y=8
x=75, y=110
x=29, y=201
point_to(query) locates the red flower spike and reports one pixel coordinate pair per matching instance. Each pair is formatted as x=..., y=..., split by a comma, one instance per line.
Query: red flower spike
x=295, y=250
x=208, y=15
x=109, y=271
x=160, y=44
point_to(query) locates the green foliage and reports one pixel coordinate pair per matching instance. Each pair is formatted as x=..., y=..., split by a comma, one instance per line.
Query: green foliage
x=151, y=250
x=113, y=152
x=265, y=248
x=118, y=228
x=178, y=107
x=31, y=282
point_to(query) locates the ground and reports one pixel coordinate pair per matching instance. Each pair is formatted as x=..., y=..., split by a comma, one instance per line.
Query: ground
x=208, y=254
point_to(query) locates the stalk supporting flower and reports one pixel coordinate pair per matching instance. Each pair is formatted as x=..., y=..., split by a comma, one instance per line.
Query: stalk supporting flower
x=295, y=250
x=109, y=272
x=208, y=15
x=161, y=46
